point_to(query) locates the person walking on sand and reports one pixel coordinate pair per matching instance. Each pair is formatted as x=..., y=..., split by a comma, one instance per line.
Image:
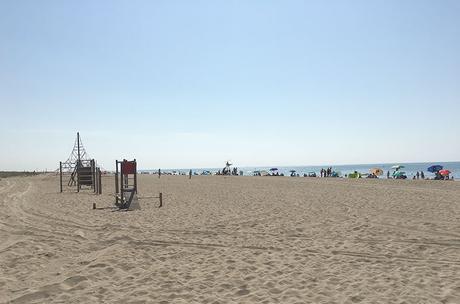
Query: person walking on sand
x=159, y=173
x=190, y=174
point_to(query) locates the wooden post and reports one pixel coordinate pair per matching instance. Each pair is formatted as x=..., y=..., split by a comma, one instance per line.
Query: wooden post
x=60, y=176
x=135, y=175
x=93, y=175
x=161, y=200
x=96, y=181
x=100, y=181
x=122, y=195
x=78, y=179
x=116, y=182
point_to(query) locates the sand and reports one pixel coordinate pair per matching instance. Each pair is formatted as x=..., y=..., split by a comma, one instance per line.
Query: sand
x=232, y=240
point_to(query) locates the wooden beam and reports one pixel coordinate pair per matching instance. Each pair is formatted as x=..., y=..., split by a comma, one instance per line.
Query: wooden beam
x=60, y=176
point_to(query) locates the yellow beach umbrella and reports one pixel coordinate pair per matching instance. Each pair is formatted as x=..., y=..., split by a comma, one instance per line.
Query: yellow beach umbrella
x=376, y=171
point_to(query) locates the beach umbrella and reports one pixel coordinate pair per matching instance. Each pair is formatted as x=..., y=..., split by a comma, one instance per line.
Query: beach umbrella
x=397, y=167
x=292, y=171
x=274, y=169
x=376, y=171
x=444, y=172
x=434, y=168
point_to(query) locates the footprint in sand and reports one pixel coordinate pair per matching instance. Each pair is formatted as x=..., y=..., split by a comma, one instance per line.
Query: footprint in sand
x=243, y=291
x=73, y=281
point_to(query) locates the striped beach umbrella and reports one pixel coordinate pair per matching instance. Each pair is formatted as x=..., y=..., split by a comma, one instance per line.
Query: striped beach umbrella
x=376, y=171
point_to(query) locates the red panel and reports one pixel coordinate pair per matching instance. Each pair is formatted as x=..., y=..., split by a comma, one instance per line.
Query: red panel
x=128, y=167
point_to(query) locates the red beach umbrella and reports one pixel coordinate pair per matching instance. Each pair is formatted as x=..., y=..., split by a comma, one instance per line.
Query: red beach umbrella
x=444, y=172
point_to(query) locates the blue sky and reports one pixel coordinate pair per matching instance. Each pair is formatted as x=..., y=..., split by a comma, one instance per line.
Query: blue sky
x=194, y=83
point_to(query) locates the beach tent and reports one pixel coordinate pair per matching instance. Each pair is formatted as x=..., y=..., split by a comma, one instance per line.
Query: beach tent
x=398, y=174
x=263, y=173
x=335, y=174
x=354, y=175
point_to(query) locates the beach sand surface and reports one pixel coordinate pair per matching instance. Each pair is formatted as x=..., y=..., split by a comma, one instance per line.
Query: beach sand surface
x=232, y=240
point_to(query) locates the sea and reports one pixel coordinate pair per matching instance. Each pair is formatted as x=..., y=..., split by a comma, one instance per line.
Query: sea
x=410, y=169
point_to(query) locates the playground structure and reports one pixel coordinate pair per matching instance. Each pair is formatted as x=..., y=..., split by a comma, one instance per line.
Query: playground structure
x=83, y=176
x=125, y=183
x=126, y=186
x=81, y=169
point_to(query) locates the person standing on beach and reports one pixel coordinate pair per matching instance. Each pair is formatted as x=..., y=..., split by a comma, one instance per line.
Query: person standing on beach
x=422, y=175
x=159, y=173
x=388, y=174
x=190, y=174
x=418, y=175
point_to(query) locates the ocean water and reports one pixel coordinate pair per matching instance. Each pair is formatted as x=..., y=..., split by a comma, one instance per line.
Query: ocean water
x=410, y=169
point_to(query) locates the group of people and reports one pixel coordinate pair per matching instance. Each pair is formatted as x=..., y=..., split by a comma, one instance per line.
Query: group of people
x=326, y=172
x=439, y=176
x=419, y=175
x=228, y=171
x=276, y=173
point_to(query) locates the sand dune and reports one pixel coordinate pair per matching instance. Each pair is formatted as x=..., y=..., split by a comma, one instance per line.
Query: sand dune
x=232, y=240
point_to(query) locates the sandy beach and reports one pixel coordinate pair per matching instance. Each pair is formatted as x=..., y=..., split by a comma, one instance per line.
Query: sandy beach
x=232, y=240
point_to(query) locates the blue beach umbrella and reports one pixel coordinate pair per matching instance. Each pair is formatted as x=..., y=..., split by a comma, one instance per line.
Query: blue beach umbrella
x=274, y=169
x=434, y=168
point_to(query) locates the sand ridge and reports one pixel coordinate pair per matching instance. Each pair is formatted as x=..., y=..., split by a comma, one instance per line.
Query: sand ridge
x=232, y=240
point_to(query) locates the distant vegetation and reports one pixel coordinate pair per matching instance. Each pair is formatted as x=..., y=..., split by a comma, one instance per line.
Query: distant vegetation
x=4, y=174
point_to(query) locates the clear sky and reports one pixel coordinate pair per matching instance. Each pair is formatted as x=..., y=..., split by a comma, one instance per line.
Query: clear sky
x=179, y=84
